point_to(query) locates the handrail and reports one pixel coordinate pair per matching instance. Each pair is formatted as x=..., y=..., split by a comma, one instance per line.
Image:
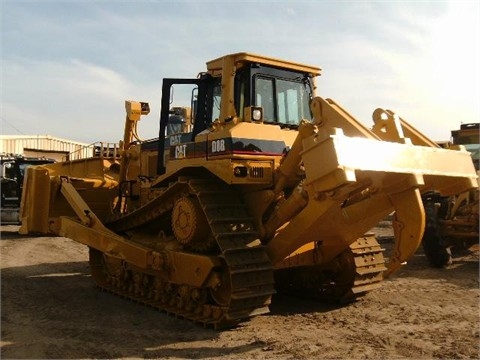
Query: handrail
x=103, y=150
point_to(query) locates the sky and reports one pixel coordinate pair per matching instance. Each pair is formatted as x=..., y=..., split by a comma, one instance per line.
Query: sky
x=68, y=66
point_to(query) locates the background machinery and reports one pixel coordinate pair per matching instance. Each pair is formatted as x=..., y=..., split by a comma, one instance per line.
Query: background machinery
x=453, y=221
x=12, y=172
x=273, y=188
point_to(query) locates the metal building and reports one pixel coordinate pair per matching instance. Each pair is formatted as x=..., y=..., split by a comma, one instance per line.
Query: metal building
x=41, y=146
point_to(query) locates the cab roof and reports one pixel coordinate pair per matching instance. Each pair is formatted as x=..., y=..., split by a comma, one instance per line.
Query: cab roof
x=214, y=67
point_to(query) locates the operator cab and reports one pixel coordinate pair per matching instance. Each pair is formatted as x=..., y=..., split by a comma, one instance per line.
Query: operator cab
x=240, y=86
x=283, y=95
x=280, y=91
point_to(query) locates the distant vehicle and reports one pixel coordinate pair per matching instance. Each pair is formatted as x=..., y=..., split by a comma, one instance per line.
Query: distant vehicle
x=12, y=171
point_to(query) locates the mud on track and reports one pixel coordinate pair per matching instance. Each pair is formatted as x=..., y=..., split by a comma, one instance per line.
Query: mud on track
x=50, y=308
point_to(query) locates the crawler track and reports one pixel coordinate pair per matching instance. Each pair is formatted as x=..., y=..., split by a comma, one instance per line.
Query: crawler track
x=351, y=274
x=247, y=275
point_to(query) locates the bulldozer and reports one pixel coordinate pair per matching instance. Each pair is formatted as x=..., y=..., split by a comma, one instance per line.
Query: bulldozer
x=272, y=188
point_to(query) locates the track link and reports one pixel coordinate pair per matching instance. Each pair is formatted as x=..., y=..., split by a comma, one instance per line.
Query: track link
x=247, y=274
x=369, y=265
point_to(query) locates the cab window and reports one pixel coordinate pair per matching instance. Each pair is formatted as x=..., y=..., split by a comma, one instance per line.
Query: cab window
x=284, y=101
x=293, y=102
x=264, y=97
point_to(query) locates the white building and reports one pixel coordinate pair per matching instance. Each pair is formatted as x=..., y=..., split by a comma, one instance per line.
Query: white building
x=44, y=146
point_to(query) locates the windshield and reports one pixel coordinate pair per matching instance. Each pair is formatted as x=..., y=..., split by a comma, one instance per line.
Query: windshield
x=283, y=101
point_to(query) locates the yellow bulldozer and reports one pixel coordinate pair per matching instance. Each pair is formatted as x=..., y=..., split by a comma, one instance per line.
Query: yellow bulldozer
x=271, y=188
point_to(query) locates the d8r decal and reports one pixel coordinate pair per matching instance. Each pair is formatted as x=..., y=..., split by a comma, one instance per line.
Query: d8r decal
x=218, y=146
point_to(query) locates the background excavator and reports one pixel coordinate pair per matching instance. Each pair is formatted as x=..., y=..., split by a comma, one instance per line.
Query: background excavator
x=272, y=188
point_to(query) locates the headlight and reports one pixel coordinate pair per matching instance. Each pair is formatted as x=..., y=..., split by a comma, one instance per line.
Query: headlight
x=240, y=171
x=257, y=114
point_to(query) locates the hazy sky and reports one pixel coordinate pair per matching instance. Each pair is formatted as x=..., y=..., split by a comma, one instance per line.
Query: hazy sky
x=68, y=66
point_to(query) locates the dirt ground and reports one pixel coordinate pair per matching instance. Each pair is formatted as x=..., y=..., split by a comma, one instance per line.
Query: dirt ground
x=50, y=308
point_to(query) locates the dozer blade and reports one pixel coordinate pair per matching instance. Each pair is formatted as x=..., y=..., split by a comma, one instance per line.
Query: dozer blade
x=353, y=183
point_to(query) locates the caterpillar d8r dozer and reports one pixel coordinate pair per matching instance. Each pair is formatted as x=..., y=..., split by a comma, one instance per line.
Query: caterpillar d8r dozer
x=272, y=188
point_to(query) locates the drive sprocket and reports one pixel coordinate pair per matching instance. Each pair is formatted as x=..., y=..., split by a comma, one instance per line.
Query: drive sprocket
x=190, y=225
